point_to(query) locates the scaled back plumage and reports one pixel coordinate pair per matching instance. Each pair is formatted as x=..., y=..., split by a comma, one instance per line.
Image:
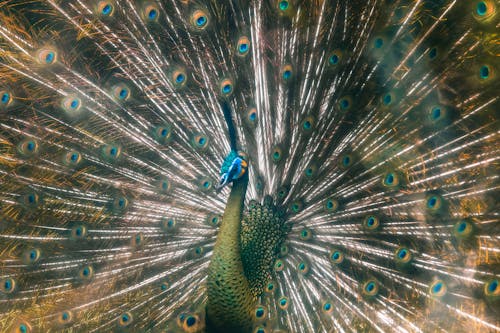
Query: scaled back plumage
x=369, y=129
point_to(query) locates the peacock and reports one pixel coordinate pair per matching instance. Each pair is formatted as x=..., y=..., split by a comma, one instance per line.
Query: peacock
x=249, y=166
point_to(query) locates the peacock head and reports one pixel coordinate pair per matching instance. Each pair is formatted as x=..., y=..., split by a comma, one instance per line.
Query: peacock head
x=234, y=167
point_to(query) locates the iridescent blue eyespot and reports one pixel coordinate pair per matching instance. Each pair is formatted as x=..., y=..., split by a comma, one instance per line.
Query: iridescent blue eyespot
x=484, y=72
x=5, y=98
x=260, y=312
x=279, y=265
x=180, y=78
x=481, y=8
x=168, y=225
x=23, y=327
x=137, y=240
x=331, y=205
x=283, y=5
x=121, y=92
x=287, y=72
x=283, y=303
x=276, y=154
x=433, y=53
x=120, y=203
x=105, y=8
x=78, y=231
x=371, y=223
x=125, y=319
x=86, y=273
x=402, y=256
x=151, y=13
x=252, y=116
x=311, y=171
x=378, y=43
x=491, y=288
x=190, y=321
x=65, y=317
x=243, y=46
x=345, y=103
x=226, y=87
x=387, y=99
x=297, y=206
x=438, y=289
x=199, y=19
x=200, y=141
x=306, y=234
x=436, y=112
x=336, y=257
x=370, y=288
x=303, y=268
x=111, y=152
x=7, y=285
x=391, y=180
x=28, y=148
x=46, y=56
x=31, y=256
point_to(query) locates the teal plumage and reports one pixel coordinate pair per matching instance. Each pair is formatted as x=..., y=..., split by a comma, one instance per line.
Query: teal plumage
x=367, y=133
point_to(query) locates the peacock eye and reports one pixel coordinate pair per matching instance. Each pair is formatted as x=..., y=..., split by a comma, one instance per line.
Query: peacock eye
x=46, y=56
x=243, y=46
x=199, y=19
x=5, y=98
x=105, y=8
x=151, y=13
x=226, y=87
x=179, y=78
x=121, y=92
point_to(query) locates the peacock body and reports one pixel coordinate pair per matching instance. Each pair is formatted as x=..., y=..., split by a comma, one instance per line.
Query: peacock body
x=359, y=181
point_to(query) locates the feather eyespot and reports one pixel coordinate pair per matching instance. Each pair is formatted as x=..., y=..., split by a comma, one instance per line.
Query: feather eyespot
x=168, y=225
x=8, y=285
x=71, y=104
x=31, y=256
x=303, y=268
x=28, y=148
x=200, y=141
x=243, y=46
x=283, y=303
x=46, y=56
x=105, y=8
x=72, y=158
x=121, y=92
x=336, y=257
x=151, y=13
x=331, y=205
x=335, y=58
x=327, y=307
x=111, y=152
x=163, y=133
x=403, y=255
x=199, y=19
x=6, y=99
x=179, y=78
x=226, y=87
x=86, y=273
x=65, y=317
x=370, y=288
x=371, y=223
x=438, y=289
x=287, y=72
x=125, y=319
x=484, y=11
